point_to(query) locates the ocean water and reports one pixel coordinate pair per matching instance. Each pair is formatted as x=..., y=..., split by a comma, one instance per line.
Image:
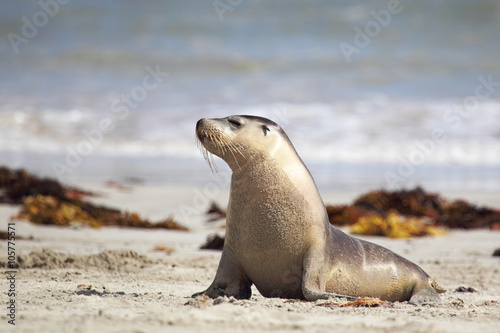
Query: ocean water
x=373, y=94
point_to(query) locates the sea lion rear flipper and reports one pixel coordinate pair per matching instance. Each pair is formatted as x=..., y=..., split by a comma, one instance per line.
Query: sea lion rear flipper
x=427, y=293
x=436, y=287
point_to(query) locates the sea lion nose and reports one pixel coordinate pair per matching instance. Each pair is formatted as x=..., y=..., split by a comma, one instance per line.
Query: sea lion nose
x=200, y=133
x=200, y=123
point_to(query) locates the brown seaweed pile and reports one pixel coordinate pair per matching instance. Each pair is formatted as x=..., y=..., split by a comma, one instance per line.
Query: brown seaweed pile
x=15, y=185
x=214, y=242
x=367, y=302
x=46, y=201
x=163, y=248
x=215, y=212
x=415, y=203
x=48, y=210
x=4, y=235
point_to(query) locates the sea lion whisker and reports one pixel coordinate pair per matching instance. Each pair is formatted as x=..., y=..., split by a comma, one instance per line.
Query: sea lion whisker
x=207, y=156
x=238, y=147
x=232, y=150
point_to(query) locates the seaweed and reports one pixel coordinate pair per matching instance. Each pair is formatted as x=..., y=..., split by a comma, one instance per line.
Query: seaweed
x=463, y=289
x=49, y=210
x=368, y=302
x=344, y=215
x=214, y=242
x=462, y=215
x=162, y=248
x=414, y=202
x=18, y=184
x=436, y=210
x=215, y=212
x=395, y=226
x=48, y=202
x=4, y=235
x=41, y=209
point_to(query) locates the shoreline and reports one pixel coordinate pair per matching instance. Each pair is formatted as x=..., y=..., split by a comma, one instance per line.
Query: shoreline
x=164, y=170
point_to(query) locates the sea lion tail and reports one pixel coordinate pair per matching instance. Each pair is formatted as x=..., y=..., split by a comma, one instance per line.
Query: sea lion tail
x=436, y=287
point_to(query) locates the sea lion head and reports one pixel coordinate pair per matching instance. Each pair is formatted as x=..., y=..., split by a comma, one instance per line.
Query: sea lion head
x=239, y=140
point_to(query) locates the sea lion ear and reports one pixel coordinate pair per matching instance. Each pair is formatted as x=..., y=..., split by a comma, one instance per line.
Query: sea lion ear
x=265, y=129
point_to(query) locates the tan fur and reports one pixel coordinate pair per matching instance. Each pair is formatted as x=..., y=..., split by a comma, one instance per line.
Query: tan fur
x=278, y=235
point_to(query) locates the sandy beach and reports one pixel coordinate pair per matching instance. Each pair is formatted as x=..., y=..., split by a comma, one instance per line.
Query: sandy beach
x=112, y=280
x=370, y=99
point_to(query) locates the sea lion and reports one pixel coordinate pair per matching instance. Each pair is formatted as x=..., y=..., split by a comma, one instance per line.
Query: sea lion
x=278, y=235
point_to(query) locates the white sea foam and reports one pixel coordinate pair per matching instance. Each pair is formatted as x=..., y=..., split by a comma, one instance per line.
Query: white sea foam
x=378, y=131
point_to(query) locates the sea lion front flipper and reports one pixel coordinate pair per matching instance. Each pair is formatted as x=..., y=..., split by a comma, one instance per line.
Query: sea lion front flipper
x=230, y=279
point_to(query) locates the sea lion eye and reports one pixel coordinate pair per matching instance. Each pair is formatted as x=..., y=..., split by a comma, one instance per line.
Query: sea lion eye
x=235, y=123
x=265, y=129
